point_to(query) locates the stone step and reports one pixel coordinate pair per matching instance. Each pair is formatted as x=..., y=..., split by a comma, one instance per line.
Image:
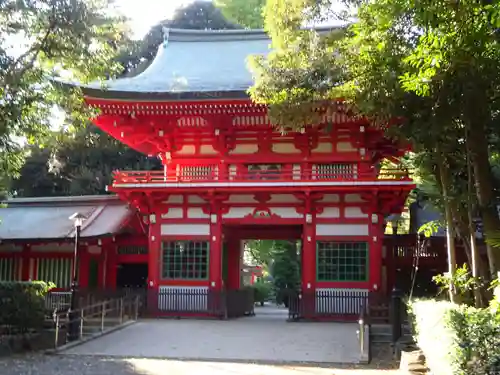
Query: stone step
x=387, y=329
x=387, y=339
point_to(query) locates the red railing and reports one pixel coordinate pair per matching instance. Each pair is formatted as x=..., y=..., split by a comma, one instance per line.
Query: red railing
x=312, y=175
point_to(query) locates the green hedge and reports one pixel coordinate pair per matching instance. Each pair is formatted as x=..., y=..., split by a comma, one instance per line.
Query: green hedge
x=262, y=291
x=457, y=340
x=22, y=306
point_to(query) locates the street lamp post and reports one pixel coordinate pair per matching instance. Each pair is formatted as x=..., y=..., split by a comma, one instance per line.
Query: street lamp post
x=74, y=323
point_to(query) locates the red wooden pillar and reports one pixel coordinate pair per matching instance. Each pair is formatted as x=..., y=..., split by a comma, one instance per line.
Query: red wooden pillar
x=107, y=264
x=233, y=263
x=215, y=264
x=154, y=252
x=375, y=251
x=26, y=263
x=84, y=262
x=309, y=252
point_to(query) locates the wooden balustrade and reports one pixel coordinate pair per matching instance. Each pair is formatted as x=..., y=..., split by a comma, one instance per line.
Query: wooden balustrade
x=214, y=175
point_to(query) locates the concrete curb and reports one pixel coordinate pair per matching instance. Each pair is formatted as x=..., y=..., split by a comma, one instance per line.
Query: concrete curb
x=89, y=338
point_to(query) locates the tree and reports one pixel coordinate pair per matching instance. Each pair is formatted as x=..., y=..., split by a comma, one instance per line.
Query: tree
x=247, y=13
x=198, y=15
x=78, y=163
x=40, y=41
x=82, y=162
x=427, y=67
x=282, y=257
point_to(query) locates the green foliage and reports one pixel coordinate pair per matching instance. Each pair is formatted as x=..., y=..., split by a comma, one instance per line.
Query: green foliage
x=42, y=41
x=429, y=229
x=23, y=305
x=262, y=291
x=247, y=13
x=463, y=284
x=430, y=68
x=77, y=163
x=261, y=251
x=284, y=261
x=432, y=334
x=458, y=340
x=478, y=336
x=285, y=270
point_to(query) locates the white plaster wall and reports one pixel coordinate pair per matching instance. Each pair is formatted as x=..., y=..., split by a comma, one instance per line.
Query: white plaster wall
x=286, y=212
x=186, y=150
x=354, y=212
x=195, y=199
x=174, y=199
x=197, y=213
x=345, y=147
x=283, y=198
x=329, y=212
x=353, y=198
x=173, y=213
x=285, y=148
x=323, y=147
x=244, y=149
x=331, y=198
x=349, y=301
x=245, y=198
x=10, y=247
x=342, y=229
x=238, y=212
x=185, y=229
x=94, y=249
x=53, y=247
x=168, y=301
x=207, y=150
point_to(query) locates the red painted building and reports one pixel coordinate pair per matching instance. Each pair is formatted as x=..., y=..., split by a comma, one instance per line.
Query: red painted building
x=36, y=241
x=229, y=176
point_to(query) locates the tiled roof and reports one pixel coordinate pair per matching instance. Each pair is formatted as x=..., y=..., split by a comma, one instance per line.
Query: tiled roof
x=208, y=62
x=48, y=217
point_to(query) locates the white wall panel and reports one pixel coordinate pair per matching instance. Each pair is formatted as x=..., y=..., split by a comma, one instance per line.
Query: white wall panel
x=342, y=229
x=185, y=229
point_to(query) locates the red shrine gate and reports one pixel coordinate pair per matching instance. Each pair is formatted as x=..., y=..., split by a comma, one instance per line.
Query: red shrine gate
x=227, y=171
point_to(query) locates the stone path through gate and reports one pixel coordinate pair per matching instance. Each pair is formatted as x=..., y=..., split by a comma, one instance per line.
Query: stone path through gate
x=267, y=337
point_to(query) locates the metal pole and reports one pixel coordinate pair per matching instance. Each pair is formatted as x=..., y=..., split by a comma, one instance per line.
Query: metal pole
x=396, y=310
x=362, y=335
x=103, y=313
x=73, y=327
x=136, y=307
x=56, y=343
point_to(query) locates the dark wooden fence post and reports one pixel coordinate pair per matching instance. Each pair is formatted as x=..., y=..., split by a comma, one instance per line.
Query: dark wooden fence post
x=396, y=315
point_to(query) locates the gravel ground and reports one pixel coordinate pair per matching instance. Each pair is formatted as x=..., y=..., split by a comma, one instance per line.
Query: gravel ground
x=94, y=365
x=72, y=365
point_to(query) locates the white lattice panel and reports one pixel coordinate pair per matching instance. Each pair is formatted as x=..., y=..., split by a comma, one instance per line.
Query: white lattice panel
x=192, y=298
x=340, y=300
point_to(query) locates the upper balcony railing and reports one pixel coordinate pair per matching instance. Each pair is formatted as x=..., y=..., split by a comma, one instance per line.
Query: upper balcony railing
x=214, y=175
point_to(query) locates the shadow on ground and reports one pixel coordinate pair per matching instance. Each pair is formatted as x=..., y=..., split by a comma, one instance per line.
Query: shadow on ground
x=95, y=365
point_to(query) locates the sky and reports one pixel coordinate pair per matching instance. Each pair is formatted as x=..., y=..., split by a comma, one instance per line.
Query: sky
x=145, y=13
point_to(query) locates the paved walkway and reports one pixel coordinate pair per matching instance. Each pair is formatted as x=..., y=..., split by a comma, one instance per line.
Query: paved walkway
x=267, y=337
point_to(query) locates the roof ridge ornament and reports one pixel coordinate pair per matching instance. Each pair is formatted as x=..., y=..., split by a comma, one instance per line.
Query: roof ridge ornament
x=166, y=32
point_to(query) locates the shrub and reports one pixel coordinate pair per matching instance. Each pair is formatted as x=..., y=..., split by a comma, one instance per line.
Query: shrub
x=457, y=339
x=262, y=291
x=22, y=306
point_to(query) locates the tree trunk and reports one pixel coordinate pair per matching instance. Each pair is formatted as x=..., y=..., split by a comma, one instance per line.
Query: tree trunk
x=478, y=301
x=477, y=144
x=448, y=213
